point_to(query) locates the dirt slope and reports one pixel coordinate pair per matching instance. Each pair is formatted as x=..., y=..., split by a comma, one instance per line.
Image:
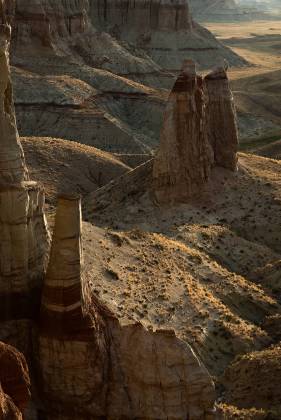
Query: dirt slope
x=67, y=166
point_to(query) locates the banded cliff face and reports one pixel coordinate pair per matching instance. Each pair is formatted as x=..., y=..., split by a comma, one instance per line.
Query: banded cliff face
x=91, y=366
x=199, y=131
x=24, y=236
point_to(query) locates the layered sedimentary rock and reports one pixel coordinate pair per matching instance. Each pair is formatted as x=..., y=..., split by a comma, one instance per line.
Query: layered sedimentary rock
x=24, y=236
x=93, y=366
x=14, y=383
x=221, y=119
x=46, y=23
x=164, y=29
x=183, y=162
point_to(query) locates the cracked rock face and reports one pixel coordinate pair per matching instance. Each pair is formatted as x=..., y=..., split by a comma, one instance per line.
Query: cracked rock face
x=183, y=163
x=221, y=119
x=91, y=365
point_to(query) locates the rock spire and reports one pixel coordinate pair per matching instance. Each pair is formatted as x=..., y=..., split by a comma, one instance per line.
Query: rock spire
x=61, y=308
x=221, y=119
x=183, y=162
x=199, y=131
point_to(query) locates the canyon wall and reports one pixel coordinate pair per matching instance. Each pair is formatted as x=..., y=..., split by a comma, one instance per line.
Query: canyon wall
x=24, y=235
x=164, y=29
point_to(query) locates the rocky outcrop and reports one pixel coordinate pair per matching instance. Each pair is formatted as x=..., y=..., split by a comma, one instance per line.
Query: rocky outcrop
x=24, y=236
x=199, y=131
x=91, y=365
x=14, y=383
x=221, y=116
x=183, y=162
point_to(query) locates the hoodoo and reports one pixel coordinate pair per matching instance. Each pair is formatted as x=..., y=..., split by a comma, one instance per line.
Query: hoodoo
x=199, y=131
x=61, y=309
x=221, y=119
x=70, y=360
x=184, y=159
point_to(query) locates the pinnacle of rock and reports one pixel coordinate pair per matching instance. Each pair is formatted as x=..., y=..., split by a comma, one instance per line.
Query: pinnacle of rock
x=183, y=163
x=221, y=119
x=61, y=310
